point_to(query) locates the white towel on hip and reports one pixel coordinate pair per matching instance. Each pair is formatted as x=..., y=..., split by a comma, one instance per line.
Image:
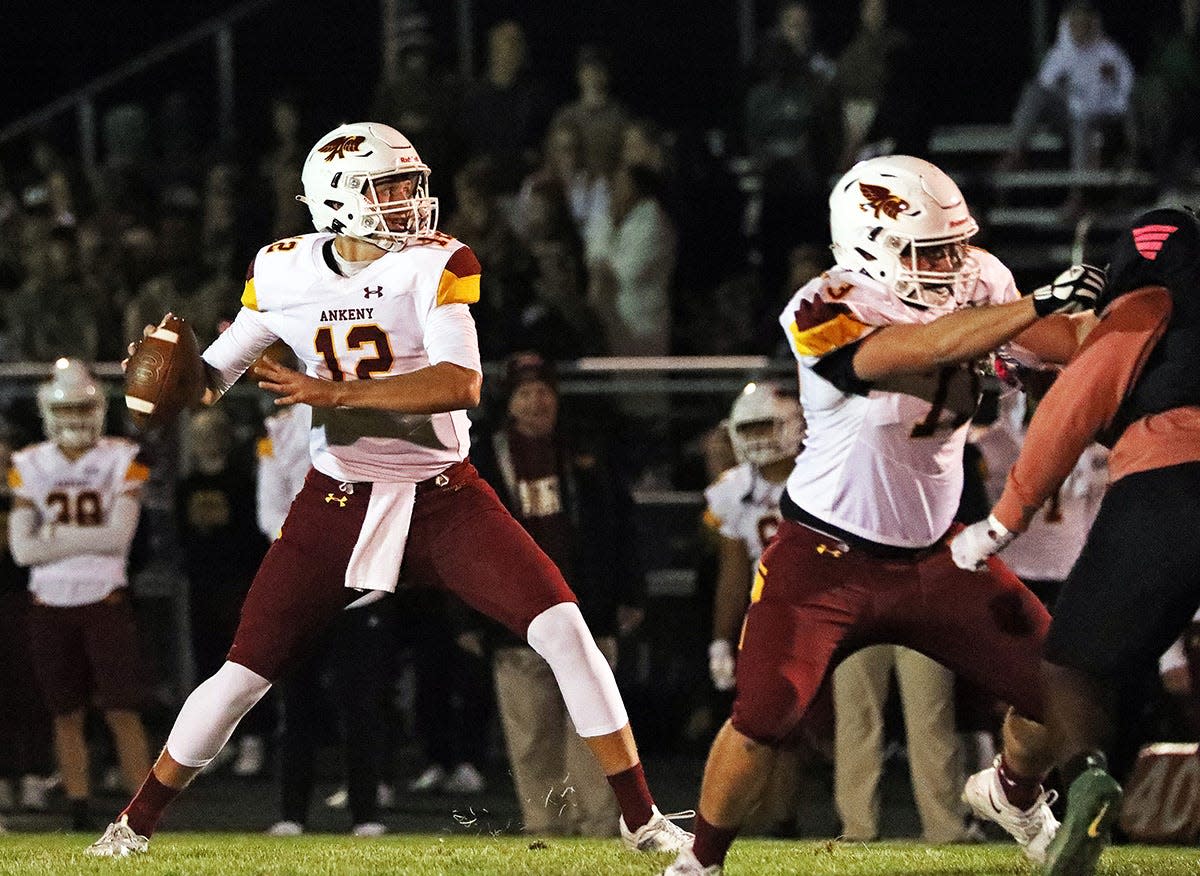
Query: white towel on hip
x=375, y=561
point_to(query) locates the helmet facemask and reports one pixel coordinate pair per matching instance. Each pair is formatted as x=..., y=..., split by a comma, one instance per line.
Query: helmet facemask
x=74, y=426
x=390, y=223
x=934, y=274
x=72, y=406
x=765, y=425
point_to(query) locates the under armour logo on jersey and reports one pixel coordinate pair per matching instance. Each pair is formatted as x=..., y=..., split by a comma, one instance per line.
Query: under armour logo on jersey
x=1149, y=239
x=881, y=200
x=339, y=146
x=368, y=291
x=341, y=500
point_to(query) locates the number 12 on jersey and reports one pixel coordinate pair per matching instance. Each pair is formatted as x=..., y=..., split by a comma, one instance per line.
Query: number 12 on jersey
x=357, y=337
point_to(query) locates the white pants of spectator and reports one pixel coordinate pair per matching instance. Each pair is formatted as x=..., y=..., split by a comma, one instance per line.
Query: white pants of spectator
x=1084, y=134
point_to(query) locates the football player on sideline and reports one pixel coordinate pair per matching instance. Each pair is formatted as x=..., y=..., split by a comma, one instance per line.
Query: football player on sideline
x=766, y=431
x=886, y=343
x=375, y=305
x=75, y=508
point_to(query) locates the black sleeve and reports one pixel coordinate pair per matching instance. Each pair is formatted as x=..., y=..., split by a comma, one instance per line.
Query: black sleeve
x=838, y=368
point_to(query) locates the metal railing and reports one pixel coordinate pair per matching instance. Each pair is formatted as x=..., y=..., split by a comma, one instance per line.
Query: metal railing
x=82, y=100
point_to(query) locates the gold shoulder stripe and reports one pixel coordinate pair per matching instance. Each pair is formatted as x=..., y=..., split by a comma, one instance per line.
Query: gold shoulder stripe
x=453, y=289
x=828, y=336
x=265, y=448
x=14, y=479
x=250, y=296
x=137, y=471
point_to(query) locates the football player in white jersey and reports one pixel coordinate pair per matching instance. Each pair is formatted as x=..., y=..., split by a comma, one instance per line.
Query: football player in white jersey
x=885, y=343
x=75, y=509
x=766, y=430
x=375, y=306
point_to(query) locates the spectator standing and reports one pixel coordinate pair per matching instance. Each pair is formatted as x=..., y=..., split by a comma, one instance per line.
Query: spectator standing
x=178, y=283
x=559, y=320
x=1167, y=131
x=452, y=702
x=506, y=292
x=562, y=160
x=504, y=113
x=598, y=115
x=420, y=98
x=865, y=69
x=791, y=120
x=559, y=485
x=631, y=261
x=74, y=514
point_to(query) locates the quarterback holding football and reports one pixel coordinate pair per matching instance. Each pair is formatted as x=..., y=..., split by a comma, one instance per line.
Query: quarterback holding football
x=375, y=305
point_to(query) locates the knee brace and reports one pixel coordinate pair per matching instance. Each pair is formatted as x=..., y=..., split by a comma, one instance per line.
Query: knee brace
x=584, y=677
x=212, y=712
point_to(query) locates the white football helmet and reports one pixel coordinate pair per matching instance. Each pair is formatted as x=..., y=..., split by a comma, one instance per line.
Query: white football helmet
x=760, y=404
x=904, y=222
x=344, y=172
x=72, y=405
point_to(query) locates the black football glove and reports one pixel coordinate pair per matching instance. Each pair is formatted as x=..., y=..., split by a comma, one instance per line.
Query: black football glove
x=1073, y=291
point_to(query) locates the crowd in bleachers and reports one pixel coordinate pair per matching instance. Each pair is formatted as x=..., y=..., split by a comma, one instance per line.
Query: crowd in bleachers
x=600, y=231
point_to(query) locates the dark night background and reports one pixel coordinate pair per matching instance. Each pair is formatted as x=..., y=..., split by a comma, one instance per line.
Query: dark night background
x=676, y=62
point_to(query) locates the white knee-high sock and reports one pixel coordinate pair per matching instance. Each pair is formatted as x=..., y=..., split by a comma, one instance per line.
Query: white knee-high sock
x=211, y=713
x=584, y=677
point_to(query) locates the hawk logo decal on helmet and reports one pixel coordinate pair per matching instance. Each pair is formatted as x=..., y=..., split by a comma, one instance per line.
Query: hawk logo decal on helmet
x=339, y=146
x=881, y=200
x=1149, y=239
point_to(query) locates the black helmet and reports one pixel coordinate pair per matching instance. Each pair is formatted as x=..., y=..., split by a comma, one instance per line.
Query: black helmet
x=1159, y=248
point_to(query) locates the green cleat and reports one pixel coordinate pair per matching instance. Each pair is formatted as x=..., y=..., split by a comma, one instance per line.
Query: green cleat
x=1093, y=803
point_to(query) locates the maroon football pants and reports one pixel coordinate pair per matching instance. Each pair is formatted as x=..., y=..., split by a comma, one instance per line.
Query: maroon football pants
x=462, y=539
x=816, y=601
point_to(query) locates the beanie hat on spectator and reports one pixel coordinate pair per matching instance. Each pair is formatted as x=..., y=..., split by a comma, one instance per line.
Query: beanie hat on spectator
x=525, y=366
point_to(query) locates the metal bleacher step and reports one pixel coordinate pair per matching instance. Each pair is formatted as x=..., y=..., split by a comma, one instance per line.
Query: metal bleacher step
x=1052, y=219
x=986, y=139
x=1050, y=178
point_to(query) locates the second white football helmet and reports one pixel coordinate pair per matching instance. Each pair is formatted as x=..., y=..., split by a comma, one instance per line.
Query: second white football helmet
x=905, y=223
x=766, y=424
x=72, y=406
x=347, y=177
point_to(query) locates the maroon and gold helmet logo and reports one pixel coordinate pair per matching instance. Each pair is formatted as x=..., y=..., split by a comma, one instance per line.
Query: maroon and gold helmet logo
x=881, y=200
x=339, y=146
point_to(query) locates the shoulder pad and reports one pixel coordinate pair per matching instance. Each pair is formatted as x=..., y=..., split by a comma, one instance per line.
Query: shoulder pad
x=459, y=282
x=820, y=324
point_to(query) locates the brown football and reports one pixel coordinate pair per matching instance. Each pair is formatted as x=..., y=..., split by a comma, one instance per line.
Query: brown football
x=165, y=374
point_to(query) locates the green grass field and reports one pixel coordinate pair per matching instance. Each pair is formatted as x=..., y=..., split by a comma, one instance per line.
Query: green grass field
x=183, y=854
